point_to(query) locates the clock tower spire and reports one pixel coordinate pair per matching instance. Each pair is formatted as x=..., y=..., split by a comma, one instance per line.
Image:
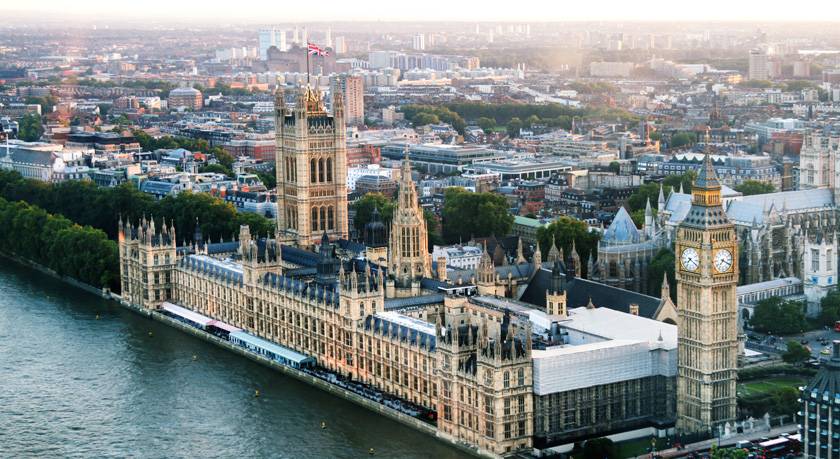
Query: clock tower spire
x=707, y=274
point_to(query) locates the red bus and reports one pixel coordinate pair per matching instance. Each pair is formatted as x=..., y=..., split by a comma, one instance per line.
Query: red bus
x=779, y=447
x=837, y=326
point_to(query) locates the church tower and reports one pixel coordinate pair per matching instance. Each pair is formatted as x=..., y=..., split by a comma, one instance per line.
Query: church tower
x=311, y=169
x=707, y=276
x=409, y=261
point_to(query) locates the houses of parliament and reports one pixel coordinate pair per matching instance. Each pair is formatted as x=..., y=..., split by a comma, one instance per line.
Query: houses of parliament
x=523, y=357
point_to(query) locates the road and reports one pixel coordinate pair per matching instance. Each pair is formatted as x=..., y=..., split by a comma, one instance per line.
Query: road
x=729, y=442
x=813, y=340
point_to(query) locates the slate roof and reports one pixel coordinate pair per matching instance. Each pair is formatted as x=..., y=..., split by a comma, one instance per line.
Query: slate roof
x=622, y=228
x=398, y=303
x=27, y=156
x=298, y=257
x=519, y=271
x=579, y=291
x=827, y=381
x=352, y=246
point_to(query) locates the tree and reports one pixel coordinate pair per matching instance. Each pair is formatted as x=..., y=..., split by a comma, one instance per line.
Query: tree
x=683, y=138
x=655, y=136
x=775, y=315
x=531, y=121
x=513, y=127
x=785, y=399
x=750, y=187
x=615, y=167
x=103, y=109
x=46, y=102
x=467, y=214
x=638, y=217
x=795, y=352
x=423, y=119
x=662, y=264
x=530, y=215
x=30, y=128
x=599, y=448
x=364, y=210
x=685, y=179
x=830, y=309
x=217, y=168
x=728, y=453
x=488, y=125
x=648, y=192
x=563, y=232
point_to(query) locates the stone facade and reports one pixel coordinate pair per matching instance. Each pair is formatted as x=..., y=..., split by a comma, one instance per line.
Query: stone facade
x=311, y=172
x=707, y=258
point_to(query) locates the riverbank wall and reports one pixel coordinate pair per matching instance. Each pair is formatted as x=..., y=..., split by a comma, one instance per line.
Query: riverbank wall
x=299, y=375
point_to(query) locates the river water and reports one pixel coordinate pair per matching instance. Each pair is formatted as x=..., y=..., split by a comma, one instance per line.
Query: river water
x=81, y=377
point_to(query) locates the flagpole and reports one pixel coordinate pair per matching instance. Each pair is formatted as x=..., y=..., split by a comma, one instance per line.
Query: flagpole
x=307, y=60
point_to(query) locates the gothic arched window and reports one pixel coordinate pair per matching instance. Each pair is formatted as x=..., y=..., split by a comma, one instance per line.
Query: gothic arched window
x=313, y=174
x=321, y=170
x=330, y=223
x=314, y=216
x=329, y=170
x=323, y=218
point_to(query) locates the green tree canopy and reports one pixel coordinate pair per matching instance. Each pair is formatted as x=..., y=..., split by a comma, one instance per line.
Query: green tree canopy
x=795, y=352
x=599, y=448
x=728, y=453
x=757, y=84
x=682, y=139
x=655, y=136
x=217, y=168
x=467, y=214
x=685, y=179
x=830, y=309
x=513, y=127
x=663, y=263
x=46, y=102
x=562, y=232
x=614, y=166
x=750, y=187
x=650, y=191
x=638, y=217
x=488, y=125
x=422, y=119
x=364, y=210
x=775, y=315
x=30, y=128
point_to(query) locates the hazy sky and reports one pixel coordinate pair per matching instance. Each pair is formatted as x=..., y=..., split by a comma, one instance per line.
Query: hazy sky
x=265, y=11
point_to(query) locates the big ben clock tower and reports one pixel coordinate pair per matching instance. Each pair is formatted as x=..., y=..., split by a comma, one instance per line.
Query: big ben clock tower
x=707, y=274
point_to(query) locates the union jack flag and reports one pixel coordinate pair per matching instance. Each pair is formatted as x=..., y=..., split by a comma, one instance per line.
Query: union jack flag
x=316, y=51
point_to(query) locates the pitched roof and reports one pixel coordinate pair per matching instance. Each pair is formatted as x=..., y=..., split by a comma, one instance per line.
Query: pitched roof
x=622, y=228
x=580, y=291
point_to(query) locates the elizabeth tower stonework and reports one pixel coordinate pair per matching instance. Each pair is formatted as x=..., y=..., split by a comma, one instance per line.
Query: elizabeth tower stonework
x=707, y=276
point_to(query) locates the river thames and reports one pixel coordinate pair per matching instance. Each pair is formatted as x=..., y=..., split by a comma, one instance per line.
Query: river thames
x=81, y=377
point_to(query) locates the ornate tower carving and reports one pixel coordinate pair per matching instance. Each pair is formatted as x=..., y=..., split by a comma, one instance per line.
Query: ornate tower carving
x=409, y=261
x=707, y=275
x=311, y=169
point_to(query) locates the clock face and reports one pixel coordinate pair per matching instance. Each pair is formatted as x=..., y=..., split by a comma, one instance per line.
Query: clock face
x=723, y=260
x=690, y=259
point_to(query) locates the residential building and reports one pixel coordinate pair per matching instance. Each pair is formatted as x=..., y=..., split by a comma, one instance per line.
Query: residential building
x=354, y=92
x=185, y=97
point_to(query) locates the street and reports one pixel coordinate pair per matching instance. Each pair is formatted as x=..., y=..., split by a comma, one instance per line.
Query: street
x=813, y=338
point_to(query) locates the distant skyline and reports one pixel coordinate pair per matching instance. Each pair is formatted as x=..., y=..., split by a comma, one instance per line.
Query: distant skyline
x=261, y=11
